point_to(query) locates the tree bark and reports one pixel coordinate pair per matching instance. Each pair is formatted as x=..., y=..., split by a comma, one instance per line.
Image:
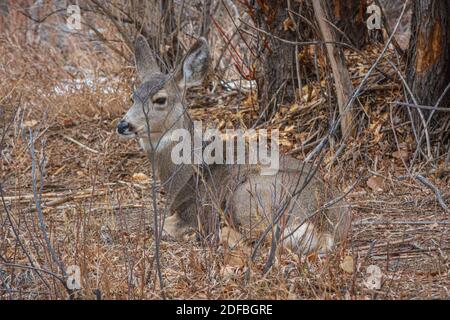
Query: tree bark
x=428, y=68
x=350, y=18
x=343, y=84
x=206, y=19
x=4, y=12
x=156, y=21
x=276, y=79
x=4, y=8
x=168, y=34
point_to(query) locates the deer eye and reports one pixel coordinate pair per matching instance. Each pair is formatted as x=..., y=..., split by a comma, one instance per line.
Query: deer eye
x=160, y=101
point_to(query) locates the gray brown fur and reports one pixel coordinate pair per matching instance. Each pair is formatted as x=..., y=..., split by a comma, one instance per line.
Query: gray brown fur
x=201, y=197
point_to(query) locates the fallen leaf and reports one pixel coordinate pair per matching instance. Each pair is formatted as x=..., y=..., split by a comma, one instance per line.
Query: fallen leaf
x=288, y=24
x=80, y=173
x=347, y=264
x=294, y=107
x=401, y=154
x=302, y=137
x=29, y=123
x=68, y=123
x=251, y=100
x=140, y=178
x=229, y=272
x=375, y=183
x=290, y=128
x=312, y=257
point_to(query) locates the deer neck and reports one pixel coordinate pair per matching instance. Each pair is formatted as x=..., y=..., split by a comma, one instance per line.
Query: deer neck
x=173, y=177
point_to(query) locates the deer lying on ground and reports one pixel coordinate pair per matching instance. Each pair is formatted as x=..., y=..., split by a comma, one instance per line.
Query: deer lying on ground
x=291, y=201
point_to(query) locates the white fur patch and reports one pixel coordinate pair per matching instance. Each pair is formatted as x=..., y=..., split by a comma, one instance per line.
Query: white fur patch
x=165, y=141
x=306, y=239
x=162, y=143
x=144, y=145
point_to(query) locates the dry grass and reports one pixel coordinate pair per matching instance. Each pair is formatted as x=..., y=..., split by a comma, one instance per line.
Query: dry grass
x=98, y=213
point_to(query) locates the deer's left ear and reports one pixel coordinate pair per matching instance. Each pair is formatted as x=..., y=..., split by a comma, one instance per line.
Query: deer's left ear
x=145, y=59
x=195, y=65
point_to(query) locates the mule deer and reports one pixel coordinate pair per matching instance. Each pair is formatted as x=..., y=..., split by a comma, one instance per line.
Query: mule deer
x=290, y=201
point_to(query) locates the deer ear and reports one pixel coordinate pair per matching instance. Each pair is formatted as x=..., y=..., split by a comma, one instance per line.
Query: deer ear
x=195, y=64
x=145, y=59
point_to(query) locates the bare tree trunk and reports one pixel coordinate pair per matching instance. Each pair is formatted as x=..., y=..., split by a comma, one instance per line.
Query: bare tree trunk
x=276, y=77
x=4, y=8
x=168, y=34
x=206, y=19
x=428, y=69
x=34, y=27
x=4, y=12
x=350, y=18
x=336, y=57
x=157, y=22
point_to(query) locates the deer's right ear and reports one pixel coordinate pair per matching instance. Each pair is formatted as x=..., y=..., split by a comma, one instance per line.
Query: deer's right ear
x=145, y=59
x=195, y=65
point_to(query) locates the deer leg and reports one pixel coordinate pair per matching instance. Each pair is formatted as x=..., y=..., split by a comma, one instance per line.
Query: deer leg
x=176, y=227
x=307, y=239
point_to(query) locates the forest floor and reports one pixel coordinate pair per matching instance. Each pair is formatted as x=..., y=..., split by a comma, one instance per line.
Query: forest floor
x=98, y=209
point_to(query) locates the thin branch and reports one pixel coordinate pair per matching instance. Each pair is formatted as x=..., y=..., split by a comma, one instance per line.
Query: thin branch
x=398, y=103
x=37, y=199
x=79, y=144
x=436, y=191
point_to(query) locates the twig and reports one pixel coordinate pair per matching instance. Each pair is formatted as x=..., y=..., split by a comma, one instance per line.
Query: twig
x=12, y=265
x=79, y=143
x=436, y=191
x=388, y=29
x=420, y=106
x=343, y=84
x=38, y=198
x=378, y=245
x=51, y=195
x=356, y=93
x=425, y=222
x=398, y=253
x=54, y=203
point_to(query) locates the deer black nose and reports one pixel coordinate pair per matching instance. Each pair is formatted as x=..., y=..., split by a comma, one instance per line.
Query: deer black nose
x=122, y=127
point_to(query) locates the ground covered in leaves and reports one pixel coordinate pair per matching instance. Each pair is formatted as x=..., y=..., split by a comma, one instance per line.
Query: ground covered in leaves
x=97, y=207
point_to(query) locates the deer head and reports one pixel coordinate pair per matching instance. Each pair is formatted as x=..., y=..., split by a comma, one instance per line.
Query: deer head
x=157, y=107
